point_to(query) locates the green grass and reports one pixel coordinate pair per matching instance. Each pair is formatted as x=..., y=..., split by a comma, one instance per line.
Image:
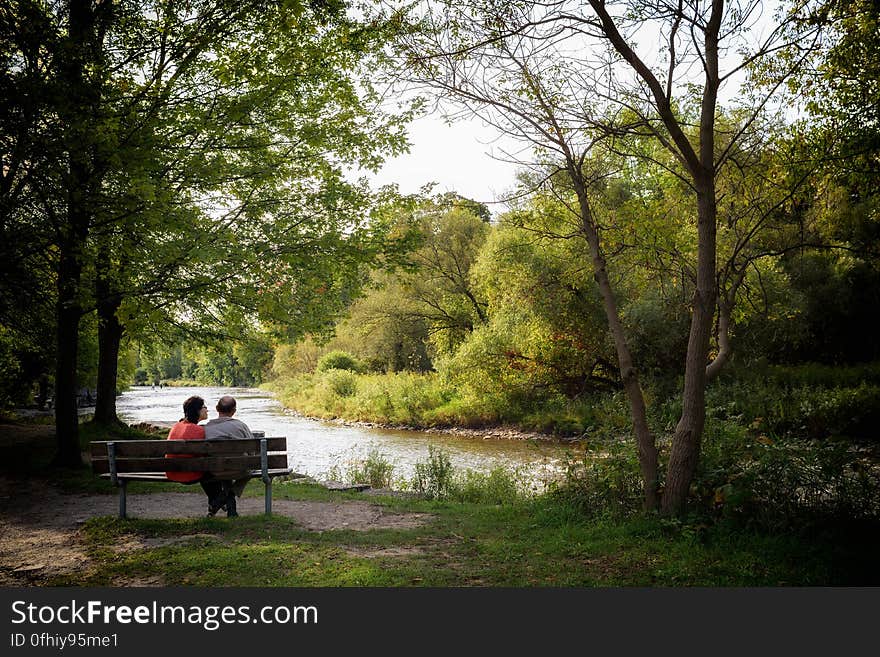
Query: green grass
x=529, y=543
x=543, y=541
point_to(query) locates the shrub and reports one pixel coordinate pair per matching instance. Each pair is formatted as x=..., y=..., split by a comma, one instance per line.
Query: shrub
x=818, y=375
x=802, y=410
x=499, y=486
x=338, y=360
x=301, y=358
x=853, y=412
x=604, y=480
x=340, y=383
x=434, y=477
x=404, y=398
x=776, y=483
x=376, y=469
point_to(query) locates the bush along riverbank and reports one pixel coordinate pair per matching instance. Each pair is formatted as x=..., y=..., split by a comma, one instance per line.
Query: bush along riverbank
x=813, y=402
x=409, y=400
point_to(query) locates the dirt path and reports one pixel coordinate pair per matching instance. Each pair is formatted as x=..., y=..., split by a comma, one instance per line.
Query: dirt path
x=40, y=526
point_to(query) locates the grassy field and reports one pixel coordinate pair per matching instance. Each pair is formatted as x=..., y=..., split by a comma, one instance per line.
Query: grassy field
x=530, y=543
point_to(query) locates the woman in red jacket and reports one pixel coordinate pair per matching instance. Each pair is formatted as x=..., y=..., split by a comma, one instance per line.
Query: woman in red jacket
x=188, y=428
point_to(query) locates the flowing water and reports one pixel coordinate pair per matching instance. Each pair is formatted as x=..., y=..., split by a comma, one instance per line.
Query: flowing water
x=315, y=447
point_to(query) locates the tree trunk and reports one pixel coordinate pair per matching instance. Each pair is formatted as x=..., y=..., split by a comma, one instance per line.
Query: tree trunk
x=725, y=350
x=629, y=375
x=68, y=314
x=726, y=301
x=78, y=114
x=701, y=167
x=110, y=333
x=689, y=431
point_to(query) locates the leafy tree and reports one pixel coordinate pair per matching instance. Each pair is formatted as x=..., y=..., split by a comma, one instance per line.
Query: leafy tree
x=440, y=289
x=843, y=87
x=563, y=77
x=386, y=329
x=263, y=150
x=184, y=163
x=544, y=288
x=431, y=303
x=453, y=201
x=837, y=272
x=338, y=360
x=53, y=158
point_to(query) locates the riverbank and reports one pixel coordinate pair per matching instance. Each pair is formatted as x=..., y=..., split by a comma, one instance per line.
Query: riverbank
x=411, y=402
x=485, y=433
x=318, y=447
x=428, y=402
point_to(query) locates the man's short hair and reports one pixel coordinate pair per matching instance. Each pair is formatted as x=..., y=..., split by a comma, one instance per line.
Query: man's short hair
x=226, y=404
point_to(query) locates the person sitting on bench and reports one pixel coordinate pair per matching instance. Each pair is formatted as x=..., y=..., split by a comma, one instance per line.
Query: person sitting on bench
x=226, y=427
x=188, y=428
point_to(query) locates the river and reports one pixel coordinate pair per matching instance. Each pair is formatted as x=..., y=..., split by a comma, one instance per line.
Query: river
x=315, y=447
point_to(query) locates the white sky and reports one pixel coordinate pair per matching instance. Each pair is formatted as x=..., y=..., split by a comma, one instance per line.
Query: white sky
x=457, y=156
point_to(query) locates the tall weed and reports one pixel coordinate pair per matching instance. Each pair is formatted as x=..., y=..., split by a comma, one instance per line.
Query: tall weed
x=604, y=479
x=433, y=478
x=376, y=469
x=438, y=479
x=499, y=486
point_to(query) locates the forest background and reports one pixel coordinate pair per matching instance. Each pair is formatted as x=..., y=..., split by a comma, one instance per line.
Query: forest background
x=176, y=208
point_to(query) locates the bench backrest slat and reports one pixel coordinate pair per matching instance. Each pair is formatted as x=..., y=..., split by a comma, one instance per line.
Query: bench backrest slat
x=196, y=464
x=158, y=448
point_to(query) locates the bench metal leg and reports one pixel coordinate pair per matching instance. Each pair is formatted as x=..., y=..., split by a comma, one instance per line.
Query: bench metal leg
x=268, y=484
x=122, y=486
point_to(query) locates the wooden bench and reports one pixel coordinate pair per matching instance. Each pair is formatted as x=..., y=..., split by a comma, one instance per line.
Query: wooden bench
x=122, y=461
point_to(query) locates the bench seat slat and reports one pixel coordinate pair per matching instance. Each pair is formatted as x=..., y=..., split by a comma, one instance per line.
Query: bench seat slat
x=148, y=448
x=148, y=476
x=197, y=464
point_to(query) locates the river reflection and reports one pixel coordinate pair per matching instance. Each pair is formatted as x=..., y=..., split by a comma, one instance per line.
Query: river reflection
x=315, y=447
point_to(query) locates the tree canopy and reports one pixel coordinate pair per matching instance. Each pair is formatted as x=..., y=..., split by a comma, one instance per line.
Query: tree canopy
x=184, y=165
